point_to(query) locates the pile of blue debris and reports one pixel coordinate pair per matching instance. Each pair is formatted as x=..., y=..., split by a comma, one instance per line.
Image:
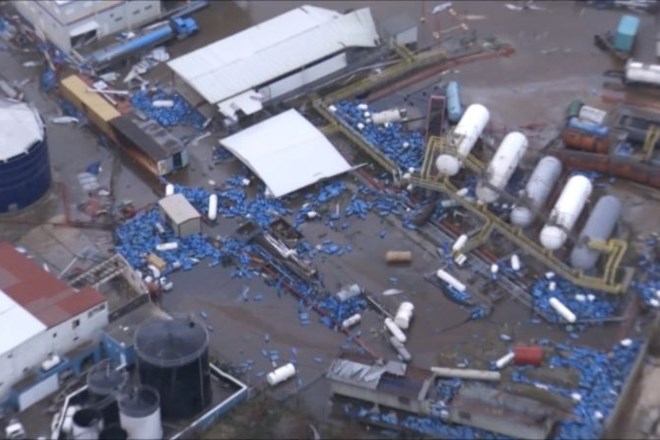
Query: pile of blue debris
x=180, y=113
x=587, y=305
x=405, y=148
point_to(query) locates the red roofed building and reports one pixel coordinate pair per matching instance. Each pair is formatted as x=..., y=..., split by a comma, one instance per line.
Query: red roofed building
x=41, y=316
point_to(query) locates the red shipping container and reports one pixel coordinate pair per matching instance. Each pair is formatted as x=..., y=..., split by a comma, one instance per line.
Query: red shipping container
x=523, y=355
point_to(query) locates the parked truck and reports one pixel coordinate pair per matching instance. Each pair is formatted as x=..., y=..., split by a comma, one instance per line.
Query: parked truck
x=178, y=27
x=620, y=43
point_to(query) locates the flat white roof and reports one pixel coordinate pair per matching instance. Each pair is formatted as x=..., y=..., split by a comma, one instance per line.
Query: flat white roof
x=273, y=48
x=20, y=128
x=178, y=208
x=17, y=325
x=287, y=152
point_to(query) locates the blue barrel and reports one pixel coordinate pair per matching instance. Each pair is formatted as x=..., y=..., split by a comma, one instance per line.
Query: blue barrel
x=454, y=108
x=588, y=127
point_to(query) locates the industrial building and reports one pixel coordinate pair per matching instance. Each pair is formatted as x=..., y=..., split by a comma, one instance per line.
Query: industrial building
x=246, y=70
x=69, y=24
x=42, y=317
x=180, y=215
x=25, y=175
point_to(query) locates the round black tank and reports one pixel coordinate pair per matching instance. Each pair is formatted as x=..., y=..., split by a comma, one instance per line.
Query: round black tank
x=173, y=358
x=104, y=383
x=114, y=432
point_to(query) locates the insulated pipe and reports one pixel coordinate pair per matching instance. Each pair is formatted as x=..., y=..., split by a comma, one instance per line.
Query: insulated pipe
x=466, y=374
x=459, y=243
x=449, y=279
x=351, y=321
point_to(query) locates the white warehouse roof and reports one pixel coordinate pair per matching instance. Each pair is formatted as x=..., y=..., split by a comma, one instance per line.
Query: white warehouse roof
x=273, y=48
x=287, y=152
x=20, y=128
x=17, y=325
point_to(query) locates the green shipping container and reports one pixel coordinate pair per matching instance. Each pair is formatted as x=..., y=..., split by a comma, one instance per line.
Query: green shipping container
x=574, y=108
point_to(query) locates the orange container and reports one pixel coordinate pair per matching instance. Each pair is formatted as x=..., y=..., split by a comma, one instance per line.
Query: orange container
x=523, y=355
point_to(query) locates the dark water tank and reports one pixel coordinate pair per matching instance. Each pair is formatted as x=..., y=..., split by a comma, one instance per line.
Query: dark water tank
x=104, y=383
x=173, y=358
x=25, y=175
x=114, y=432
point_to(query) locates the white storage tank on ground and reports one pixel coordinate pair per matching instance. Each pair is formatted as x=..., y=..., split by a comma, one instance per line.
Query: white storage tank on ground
x=404, y=315
x=566, y=212
x=281, y=374
x=465, y=135
x=537, y=190
x=139, y=413
x=501, y=167
x=599, y=226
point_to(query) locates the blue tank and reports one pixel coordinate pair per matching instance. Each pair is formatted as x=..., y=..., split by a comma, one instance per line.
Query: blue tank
x=588, y=127
x=154, y=36
x=454, y=107
x=25, y=175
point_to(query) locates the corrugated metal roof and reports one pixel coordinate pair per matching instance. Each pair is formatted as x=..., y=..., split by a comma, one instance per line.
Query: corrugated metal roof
x=150, y=145
x=354, y=373
x=78, y=88
x=273, y=48
x=17, y=325
x=47, y=298
x=287, y=152
x=20, y=128
x=178, y=208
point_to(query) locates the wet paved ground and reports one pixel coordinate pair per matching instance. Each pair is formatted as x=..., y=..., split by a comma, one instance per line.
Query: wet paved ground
x=529, y=87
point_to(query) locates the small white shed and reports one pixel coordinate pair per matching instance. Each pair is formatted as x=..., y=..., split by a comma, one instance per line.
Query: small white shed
x=180, y=214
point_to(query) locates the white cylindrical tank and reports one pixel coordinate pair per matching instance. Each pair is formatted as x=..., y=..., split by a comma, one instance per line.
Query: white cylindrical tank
x=213, y=207
x=449, y=279
x=644, y=73
x=392, y=115
x=171, y=246
x=395, y=330
x=504, y=360
x=600, y=226
x=139, y=413
x=566, y=212
x=87, y=424
x=400, y=349
x=515, y=262
x=564, y=311
x=281, y=374
x=465, y=135
x=169, y=189
x=351, y=321
x=501, y=167
x=404, y=315
x=537, y=190
x=459, y=243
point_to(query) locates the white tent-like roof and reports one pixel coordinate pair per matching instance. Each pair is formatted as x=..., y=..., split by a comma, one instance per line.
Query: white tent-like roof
x=20, y=128
x=287, y=152
x=239, y=63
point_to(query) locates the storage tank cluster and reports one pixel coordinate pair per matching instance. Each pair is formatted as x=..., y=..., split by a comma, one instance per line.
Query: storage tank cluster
x=464, y=137
x=537, y=190
x=25, y=175
x=502, y=166
x=566, y=212
x=396, y=328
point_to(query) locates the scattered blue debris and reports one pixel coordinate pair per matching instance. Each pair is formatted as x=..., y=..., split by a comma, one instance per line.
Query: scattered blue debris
x=585, y=303
x=181, y=113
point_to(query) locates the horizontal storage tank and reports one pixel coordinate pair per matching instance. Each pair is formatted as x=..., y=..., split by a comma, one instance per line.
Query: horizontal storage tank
x=537, y=190
x=588, y=127
x=281, y=374
x=501, y=167
x=643, y=73
x=578, y=140
x=25, y=175
x=173, y=358
x=463, y=138
x=139, y=413
x=454, y=107
x=599, y=226
x=152, y=37
x=566, y=212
